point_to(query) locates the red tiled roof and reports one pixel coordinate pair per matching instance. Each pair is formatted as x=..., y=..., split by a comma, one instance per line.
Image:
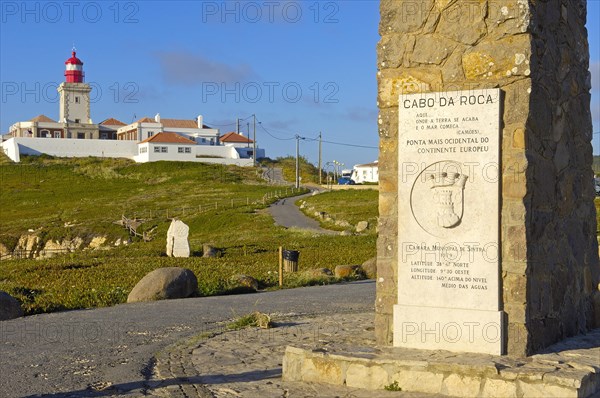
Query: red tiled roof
x=42, y=118
x=113, y=122
x=169, y=138
x=180, y=123
x=145, y=120
x=235, y=137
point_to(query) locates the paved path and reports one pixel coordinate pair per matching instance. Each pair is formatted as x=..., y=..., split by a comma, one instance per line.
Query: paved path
x=286, y=213
x=111, y=351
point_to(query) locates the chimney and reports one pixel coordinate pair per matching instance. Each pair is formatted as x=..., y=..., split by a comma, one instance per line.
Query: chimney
x=157, y=118
x=200, y=122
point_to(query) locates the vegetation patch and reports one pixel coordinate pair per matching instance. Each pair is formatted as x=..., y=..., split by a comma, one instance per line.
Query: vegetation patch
x=255, y=319
x=351, y=206
x=219, y=203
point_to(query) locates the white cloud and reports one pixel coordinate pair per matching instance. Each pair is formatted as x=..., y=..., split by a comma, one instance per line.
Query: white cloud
x=185, y=68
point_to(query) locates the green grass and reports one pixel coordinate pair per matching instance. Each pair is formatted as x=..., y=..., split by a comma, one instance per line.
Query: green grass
x=308, y=172
x=350, y=205
x=92, y=193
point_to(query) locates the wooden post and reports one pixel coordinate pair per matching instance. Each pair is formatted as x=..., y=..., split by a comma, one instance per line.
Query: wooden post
x=280, y=266
x=247, y=201
x=232, y=203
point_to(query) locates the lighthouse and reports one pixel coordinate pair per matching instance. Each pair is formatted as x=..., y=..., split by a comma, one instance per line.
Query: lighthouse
x=75, y=95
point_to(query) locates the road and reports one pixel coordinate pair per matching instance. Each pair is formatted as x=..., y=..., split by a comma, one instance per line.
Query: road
x=287, y=214
x=66, y=352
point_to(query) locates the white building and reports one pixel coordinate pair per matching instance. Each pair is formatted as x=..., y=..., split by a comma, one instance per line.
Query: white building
x=145, y=140
x=369, y=172
x=146, y=127
x=243, y=145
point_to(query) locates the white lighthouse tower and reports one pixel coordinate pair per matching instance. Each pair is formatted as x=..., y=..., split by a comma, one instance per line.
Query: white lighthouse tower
x=75, y=101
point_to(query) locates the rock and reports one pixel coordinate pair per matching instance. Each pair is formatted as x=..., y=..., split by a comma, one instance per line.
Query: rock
x=346, y=233
x=318, y=273
x=52, y=248
x=4, y=252
x=349, y=271
x=596, y=306
x=177, y=239
x=242, y=282
x=370, y=268
x=343, y=224
x=164, y=284
x=10, y=308
x=97, y=242
x=209, y=251
x=27, y=246
x=362, y=226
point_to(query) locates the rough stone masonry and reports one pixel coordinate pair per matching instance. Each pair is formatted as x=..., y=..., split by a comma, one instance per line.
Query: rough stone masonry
x=537, y=53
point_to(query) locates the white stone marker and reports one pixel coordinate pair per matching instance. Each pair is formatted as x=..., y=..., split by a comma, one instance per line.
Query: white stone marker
x=177, y=239
x=448, y=222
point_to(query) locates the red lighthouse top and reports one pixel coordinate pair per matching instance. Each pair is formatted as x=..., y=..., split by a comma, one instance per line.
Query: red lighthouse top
x=74, y=69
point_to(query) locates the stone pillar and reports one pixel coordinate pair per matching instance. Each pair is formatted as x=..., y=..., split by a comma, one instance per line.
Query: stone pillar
x=537, y=54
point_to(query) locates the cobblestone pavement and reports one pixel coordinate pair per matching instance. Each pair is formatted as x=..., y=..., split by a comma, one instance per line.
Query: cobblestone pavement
x=247, y=362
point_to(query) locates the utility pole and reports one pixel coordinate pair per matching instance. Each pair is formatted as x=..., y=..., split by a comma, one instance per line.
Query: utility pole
x=254, y=142
x=320, y=171
x=248, y=130
x=297, y=161
x=237, y=123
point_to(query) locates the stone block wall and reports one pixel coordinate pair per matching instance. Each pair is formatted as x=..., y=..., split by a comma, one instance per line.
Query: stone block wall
x=537, y=53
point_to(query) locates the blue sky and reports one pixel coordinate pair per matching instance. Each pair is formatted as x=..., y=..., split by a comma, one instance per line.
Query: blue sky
x=301, y=67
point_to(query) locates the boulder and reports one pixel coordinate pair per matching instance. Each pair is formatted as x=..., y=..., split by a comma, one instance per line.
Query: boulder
x=164, y=283
x=362, y=226
x=349, y=271
x=243, y=283
x=370, y=268
x=10, y=307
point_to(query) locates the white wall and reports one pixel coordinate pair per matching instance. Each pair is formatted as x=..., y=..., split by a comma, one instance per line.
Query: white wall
x=11, y=149
x=74, y=147
x=365, y=174
x=119, y=149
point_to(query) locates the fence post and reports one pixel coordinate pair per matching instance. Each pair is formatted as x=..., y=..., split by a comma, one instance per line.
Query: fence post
x=280, y=266
x=232, y=203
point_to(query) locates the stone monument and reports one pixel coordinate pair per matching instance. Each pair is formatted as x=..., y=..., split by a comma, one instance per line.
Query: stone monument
x=177, y=239
x=487, y=234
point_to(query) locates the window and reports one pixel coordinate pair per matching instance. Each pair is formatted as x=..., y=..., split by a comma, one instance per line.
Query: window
x=69, y=135
x=144, y=149
x=156, y=149
x=76, y=100
x=164, y=149
x=150, y=134
x=57, y=134
x=188, y=150
x=45, y=134
x=103, y=136
x=76, y=120
x=80, y=136
x=180, y=149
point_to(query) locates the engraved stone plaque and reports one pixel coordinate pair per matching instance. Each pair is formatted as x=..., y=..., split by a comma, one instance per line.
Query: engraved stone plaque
x=448, y=226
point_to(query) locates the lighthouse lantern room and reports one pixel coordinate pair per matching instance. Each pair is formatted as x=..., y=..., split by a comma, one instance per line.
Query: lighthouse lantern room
x=74, y=69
